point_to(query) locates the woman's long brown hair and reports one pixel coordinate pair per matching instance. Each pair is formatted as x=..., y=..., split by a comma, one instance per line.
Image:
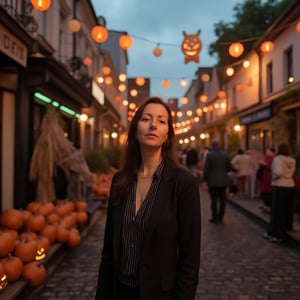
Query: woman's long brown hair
x=131, y=156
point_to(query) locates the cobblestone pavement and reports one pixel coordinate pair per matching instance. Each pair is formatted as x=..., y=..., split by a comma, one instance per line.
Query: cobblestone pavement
x=237, y=264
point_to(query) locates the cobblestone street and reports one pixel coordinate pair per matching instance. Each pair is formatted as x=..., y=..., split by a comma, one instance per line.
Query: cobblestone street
x=237, y=263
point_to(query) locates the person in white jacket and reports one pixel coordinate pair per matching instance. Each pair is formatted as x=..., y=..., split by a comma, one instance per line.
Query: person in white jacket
x=283, y=187
x=241, y=163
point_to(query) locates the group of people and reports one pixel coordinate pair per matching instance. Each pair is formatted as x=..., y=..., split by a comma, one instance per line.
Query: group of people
x=152, y=236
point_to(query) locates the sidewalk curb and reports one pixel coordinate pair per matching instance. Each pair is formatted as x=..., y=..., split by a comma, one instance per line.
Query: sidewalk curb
x=293, y=236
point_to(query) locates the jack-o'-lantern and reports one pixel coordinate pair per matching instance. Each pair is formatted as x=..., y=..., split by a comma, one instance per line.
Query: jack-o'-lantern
x=3, y=278
x=191, y=47
x=40, y=254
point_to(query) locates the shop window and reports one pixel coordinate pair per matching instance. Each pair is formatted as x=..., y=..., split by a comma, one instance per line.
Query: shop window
x=288, y=66
x=269, y=78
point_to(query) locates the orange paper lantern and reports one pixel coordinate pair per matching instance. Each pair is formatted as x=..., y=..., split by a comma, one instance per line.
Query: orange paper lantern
x=99, y=34
x=266, y=47
x=125, y=42
x=298, y=27
x=166, y=83
x=140, y=81
x=157, y=51
x=236, y=49
x=41, y=5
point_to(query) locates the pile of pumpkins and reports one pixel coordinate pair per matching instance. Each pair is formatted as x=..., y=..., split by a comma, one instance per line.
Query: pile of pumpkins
x=27, y=235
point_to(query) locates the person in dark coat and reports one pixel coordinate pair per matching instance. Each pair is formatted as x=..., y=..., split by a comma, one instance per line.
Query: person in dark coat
x=153, y=229
x=215, y=179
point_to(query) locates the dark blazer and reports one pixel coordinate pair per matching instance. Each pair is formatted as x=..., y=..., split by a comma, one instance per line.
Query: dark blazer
x=217, y=165
x=170, y=260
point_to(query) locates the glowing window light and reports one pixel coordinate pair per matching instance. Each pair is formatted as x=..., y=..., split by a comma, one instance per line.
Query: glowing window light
x=133, y=93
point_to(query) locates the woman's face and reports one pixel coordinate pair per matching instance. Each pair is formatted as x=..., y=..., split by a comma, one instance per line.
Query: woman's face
x=152, y=128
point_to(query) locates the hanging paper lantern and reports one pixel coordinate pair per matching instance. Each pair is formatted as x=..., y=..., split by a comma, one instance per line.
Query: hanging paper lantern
x=118, y=99
x=266, y=47
x=122, y=87
x=203, y=98
x=166, y=83
x=126, y=42
x=221, y=94
x=298, y=27
x=133, y=93
x=74, y=25
x=239, y=87
x=108, y=80
x=99, y=34
x=87, y=61
x=183, y=82
x=41, y=5
x=246, y=64
x=229, y=71
x=106, y=70
x=184, y=100
x=191, y=47
x=122, y=77
x=157, y=51
x=140, y=81
x=205, y=77
x=236, y=49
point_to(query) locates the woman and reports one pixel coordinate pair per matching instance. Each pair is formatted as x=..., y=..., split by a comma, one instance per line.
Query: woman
x=265, y=187
x=283, y=169
x=152, y=238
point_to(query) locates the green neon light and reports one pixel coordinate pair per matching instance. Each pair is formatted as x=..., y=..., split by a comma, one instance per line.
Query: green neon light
x=67, y=110
x=56, y=104
x=42, y=97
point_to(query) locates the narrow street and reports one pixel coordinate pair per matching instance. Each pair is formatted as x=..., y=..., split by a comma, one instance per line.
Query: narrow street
x=237, y=263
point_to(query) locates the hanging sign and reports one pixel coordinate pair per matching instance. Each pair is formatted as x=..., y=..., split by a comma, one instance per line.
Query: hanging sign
x=191, y=47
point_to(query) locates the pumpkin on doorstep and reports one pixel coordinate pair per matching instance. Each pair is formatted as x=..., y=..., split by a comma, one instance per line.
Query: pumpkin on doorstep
x=191, y=47
x=36, y=222
x=50, y=232
x=8, y=239
x=26, y=250
x=35, y=273
x=3, y=278
x=13, y=267
x=74, y=238
x=12, y=218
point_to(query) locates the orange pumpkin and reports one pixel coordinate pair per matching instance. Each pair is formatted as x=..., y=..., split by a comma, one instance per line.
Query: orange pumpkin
x=26, y=250
x=28, y=235
x=12, y=218
x=46, y=208
x=13, y=267
x=36, y=222
x=33, y=206
x=34, y=273
x=3, y=278
x=49, y=231
x=53, y=218
x=74, y=238
x=43, y=242
x=8, y=238
x=82, y=217
x=81, y=205
x=62, y=234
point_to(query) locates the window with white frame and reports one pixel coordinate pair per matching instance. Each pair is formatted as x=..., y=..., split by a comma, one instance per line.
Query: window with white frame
x=288, y=66
x=269, y=79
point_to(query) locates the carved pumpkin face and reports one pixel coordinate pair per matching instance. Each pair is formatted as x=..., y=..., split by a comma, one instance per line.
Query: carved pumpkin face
x=3, y=281
x=191, y=46
x=40, y=254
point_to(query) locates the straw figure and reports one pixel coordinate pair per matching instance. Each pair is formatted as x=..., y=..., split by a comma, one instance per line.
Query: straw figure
x=53, y=149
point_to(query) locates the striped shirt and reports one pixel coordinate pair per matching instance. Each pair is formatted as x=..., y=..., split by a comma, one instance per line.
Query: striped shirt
x=134, y=225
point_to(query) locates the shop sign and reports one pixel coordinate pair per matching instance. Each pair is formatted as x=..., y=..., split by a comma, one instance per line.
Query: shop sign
x=12, y=47
x=257, y=116
x=97, y=93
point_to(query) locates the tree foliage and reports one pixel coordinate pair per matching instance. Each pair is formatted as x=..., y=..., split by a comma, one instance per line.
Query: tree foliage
x=250, y=20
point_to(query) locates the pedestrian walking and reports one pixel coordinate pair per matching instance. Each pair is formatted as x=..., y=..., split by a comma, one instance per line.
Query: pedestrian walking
x=241, y=163
x=215, y=179
x=283, y=188
x=192, y=159
x=264, y=177
x=152, y=237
